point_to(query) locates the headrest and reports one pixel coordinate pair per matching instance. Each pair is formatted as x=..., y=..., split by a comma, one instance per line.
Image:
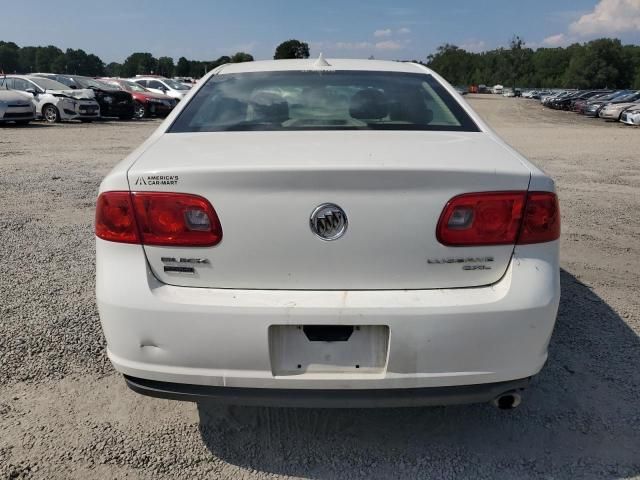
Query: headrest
x=270, y=108
x=230, y=110
x=369, y=104
x=410, y=107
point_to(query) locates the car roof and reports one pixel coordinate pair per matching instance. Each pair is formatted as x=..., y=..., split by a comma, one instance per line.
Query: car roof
x=26, y=77
x=321, y=64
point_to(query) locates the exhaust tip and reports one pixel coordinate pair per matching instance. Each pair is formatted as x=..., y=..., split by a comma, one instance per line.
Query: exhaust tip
x=507, y=401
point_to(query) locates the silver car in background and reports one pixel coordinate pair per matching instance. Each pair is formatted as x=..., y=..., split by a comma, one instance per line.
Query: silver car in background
x=16, y=107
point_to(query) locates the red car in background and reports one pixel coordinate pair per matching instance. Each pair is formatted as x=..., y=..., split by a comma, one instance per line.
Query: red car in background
x=146, y=103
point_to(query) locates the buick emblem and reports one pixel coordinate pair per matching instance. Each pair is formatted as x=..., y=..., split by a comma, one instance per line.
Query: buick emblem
x=328, y=221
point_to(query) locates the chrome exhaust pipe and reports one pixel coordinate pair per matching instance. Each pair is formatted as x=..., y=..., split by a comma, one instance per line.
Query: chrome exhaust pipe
x=507, y=401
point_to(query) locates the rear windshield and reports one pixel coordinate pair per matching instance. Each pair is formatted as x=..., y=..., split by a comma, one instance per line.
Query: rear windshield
x=342, y=100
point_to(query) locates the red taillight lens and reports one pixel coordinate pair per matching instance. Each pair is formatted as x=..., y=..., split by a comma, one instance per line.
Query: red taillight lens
x=541, y=221
x=115, y=220
x=158, y=218
x=499, y=218
x=491, y=218
x=176, y=219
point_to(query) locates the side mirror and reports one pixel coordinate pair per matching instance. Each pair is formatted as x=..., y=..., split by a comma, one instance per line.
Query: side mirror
x=32, y=91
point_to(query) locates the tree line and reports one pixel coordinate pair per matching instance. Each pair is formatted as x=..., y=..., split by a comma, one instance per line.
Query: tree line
x=601, y=63
x=15, y=59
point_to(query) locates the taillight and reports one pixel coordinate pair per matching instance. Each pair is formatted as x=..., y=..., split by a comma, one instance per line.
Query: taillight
x=491, y=218
x=115, y=220
x=499, y=218
x=541, y=221
x=159, y=218
x=176, y=219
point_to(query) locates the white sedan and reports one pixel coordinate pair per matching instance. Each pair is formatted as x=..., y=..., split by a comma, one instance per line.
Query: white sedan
x=15, y=107
x=327, y=233
x=631, y=116
x=55, y=101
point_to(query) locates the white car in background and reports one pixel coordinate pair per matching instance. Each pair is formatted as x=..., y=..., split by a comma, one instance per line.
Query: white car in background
x=164, y=86
x=341, y=233
x=54, y=100
x=16, y=107
x=631, y=116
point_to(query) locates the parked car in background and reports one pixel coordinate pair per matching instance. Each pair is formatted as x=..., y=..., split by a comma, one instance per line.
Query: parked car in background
x=613, y=110
x=540, y=94
x=593, y=107
x=186, y=81
x=55, y=101
x=146, y=103
x=567, y=102
x=553, y=96
x=631, y=116
x=508, y=92
x=579, y=104
x=113, y=101
x=16, y=106
x=351, y=299
x=163, y=85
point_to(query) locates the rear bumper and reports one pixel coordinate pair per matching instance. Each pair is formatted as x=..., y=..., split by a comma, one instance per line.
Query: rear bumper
x=280, y=397
x=220, y=337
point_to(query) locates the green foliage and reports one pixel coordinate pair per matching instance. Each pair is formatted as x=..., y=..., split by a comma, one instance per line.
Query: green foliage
x=292, y=49
x=9, y=57
x=48, y=59
x=15, y=59
x=79, y=63
x=183, y=67
x=166, y=68
x=600, y=63
x=114, y=69
x=140, y=63
x=453, y=62
x=636, y=81
x=240, y=57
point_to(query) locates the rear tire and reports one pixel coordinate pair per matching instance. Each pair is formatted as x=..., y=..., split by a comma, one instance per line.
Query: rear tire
x=50, y=114
x=139, y=111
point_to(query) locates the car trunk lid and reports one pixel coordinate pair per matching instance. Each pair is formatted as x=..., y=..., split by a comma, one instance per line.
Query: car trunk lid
x=392, y=187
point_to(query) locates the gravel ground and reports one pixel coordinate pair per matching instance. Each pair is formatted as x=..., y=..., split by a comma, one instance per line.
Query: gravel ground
x=64, y=413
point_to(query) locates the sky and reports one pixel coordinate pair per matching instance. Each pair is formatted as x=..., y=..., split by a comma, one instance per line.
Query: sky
x=392, y=29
